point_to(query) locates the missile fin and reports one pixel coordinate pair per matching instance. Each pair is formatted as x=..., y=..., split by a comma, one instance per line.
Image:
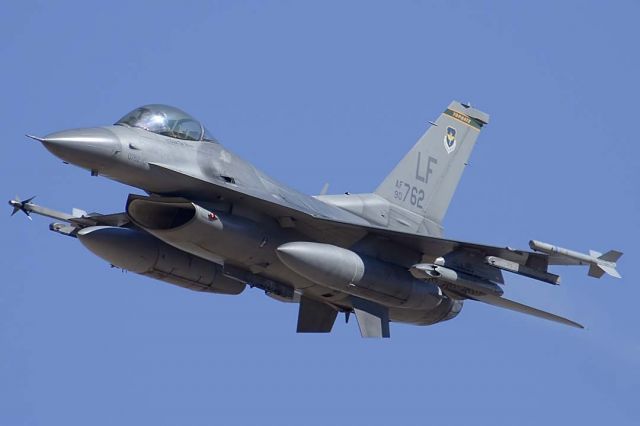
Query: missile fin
x=611, y=256
x=595, y=271
x=610, y=271
x=594, y=253
x=598, y=271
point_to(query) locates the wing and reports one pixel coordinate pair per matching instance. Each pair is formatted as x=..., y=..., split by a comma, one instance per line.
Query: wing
x=274, y=199
x=501, y=302
x=291, y=208
x=327, y=223
x=312, y=213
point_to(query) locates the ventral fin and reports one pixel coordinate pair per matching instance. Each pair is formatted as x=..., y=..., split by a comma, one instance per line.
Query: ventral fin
x=373, y=319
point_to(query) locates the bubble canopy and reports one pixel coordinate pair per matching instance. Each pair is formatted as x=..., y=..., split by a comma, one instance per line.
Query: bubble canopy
x=167, y=121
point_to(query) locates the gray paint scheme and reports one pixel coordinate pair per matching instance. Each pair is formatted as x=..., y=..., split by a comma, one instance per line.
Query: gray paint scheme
x=425, y=179
x=315, y=316
x=213, y=222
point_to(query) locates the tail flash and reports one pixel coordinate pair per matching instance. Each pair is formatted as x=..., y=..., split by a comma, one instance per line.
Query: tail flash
x=425, y=179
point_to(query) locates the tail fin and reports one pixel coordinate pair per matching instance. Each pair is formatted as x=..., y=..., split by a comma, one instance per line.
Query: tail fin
x=426, y=178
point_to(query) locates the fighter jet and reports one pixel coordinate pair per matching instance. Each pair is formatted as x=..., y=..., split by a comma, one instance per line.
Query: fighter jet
x=212, y=222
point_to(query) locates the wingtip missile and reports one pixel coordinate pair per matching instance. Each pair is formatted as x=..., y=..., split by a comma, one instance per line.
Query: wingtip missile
x=21, y=206
x=599, y=264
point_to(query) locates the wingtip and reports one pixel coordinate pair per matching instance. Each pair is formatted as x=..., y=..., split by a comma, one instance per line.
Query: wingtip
x=576, y=325
x=570, y=323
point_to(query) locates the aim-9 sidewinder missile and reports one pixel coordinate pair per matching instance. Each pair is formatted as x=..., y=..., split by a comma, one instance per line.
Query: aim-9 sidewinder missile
x=599, y=263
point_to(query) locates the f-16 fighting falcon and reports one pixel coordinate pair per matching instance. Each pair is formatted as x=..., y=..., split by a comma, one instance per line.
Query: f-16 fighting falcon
x=212, y=222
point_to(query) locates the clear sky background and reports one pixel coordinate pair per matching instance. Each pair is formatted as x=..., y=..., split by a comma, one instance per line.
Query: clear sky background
x=316, y=92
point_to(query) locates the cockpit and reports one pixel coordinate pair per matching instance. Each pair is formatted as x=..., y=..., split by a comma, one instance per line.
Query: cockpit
x=167, y=121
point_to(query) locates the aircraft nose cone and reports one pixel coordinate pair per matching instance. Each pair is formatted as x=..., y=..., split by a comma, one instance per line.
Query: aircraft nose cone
x=91, y=148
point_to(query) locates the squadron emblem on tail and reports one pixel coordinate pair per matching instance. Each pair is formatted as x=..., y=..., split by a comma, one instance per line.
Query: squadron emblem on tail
x=450, y=140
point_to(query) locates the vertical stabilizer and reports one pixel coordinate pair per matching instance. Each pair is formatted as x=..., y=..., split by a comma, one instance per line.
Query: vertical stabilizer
x=426, y=178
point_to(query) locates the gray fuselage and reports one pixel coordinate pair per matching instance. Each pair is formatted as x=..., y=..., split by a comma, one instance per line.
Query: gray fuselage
x=139, y=158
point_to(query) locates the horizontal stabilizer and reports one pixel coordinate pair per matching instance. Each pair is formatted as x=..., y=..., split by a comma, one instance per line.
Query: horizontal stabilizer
x=501, y=302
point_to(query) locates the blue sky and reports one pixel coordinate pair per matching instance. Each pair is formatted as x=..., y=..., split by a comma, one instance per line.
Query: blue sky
x=317, y=92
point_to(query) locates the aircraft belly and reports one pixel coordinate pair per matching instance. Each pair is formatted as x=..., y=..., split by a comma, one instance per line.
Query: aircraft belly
x=447, y=309
x=444, y=311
